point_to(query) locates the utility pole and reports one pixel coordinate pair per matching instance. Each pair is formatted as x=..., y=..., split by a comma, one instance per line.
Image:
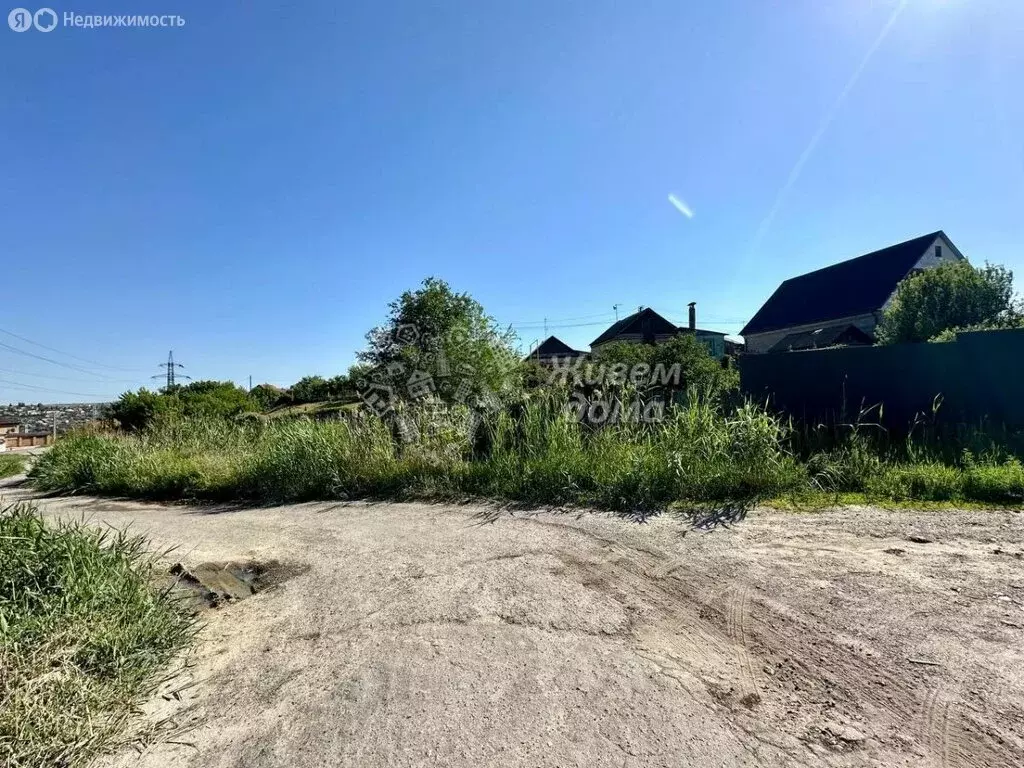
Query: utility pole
x=616, y=308
x=545, y=327
x=250, y=382
x=171, y=374
x=54, y=425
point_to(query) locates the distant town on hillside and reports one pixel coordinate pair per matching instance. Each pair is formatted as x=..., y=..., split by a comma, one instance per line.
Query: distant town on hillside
x=42, y=417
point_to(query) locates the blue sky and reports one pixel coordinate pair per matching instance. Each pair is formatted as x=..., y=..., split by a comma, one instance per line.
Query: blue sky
x=253, y=188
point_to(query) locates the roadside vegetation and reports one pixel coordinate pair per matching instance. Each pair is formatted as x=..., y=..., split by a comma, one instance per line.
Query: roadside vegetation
x=441, y=405
x=85, y=635
x=538, y=452
x=11, y=464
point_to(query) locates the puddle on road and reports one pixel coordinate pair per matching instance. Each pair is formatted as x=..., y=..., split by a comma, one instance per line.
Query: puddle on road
x=215, y=584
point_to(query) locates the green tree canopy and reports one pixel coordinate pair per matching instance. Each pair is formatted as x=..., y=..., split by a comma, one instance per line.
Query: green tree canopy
x=447, y=336
x=625, y=353
x=135, y=410
x=214, y=398
x=955, y=295
x=696, y=366
x=310, y=389
x=268, y=396
x=217, y=399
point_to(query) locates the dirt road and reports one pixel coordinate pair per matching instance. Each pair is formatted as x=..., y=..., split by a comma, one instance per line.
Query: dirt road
x=423, y=635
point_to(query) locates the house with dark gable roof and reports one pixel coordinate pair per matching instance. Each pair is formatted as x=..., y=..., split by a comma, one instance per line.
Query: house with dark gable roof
x=647, y=326
x=838, y=301
x=553, y=350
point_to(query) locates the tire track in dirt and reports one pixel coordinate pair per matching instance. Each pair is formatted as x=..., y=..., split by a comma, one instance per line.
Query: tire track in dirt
x=738, y=624
x=671, y=632
x=935, y=729
x=677, y=634
x=954, y=740
x=815, y=676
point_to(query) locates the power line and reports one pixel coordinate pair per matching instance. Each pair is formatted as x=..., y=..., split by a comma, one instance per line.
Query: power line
x=61, y=378
x=710, y=319
x=565, y=325
x=69, y=366
x=66, y=354
x=557, y=319
x=33, y=388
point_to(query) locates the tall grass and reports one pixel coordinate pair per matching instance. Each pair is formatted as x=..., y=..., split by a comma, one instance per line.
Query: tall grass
x=930, y=461
x=84, y=635
x=697, y=453
x=537, y=451
x=11, y=464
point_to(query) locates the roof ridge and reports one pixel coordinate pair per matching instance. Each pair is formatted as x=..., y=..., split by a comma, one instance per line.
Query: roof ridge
x=869, y=253
x=843, y=289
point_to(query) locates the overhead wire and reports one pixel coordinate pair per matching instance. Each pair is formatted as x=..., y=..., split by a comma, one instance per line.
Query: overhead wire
x=61, y=378
x=67, y=354
x=69, y=366
x=33, y=388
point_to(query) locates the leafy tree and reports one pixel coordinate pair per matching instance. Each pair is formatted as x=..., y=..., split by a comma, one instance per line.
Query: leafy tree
x=447, y=336
x=341, y=387
x=696, y=366
x=267, y=395
x=955, y=295
x=624, y=353
x=135, y=410
x=310, y=389
x=215, y=399
x=201, y=399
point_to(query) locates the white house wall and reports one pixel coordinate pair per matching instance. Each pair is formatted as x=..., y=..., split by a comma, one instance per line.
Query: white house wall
x=928, y=260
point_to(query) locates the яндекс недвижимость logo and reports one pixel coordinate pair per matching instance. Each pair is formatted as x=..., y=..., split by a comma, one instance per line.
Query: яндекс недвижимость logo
x=47, y=20
x=22, y=19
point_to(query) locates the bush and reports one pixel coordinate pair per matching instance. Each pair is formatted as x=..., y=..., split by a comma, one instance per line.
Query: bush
x=84, y=634
x=929, y=304
x=310, y=389
x=268, y=396
x=134, y=411
x=698, y=370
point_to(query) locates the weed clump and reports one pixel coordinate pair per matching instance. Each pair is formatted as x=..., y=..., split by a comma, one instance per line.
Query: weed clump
x=84, y=637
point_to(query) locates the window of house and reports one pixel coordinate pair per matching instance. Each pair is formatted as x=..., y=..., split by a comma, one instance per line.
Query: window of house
x=938, y=252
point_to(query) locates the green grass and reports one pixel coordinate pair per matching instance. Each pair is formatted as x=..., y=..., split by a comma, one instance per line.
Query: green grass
x=84, y=638
x=11, y=464
x=539, y=454
x=536, y=452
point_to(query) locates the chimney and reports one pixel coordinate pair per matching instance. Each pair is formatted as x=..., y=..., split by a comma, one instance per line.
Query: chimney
x=693, y=315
